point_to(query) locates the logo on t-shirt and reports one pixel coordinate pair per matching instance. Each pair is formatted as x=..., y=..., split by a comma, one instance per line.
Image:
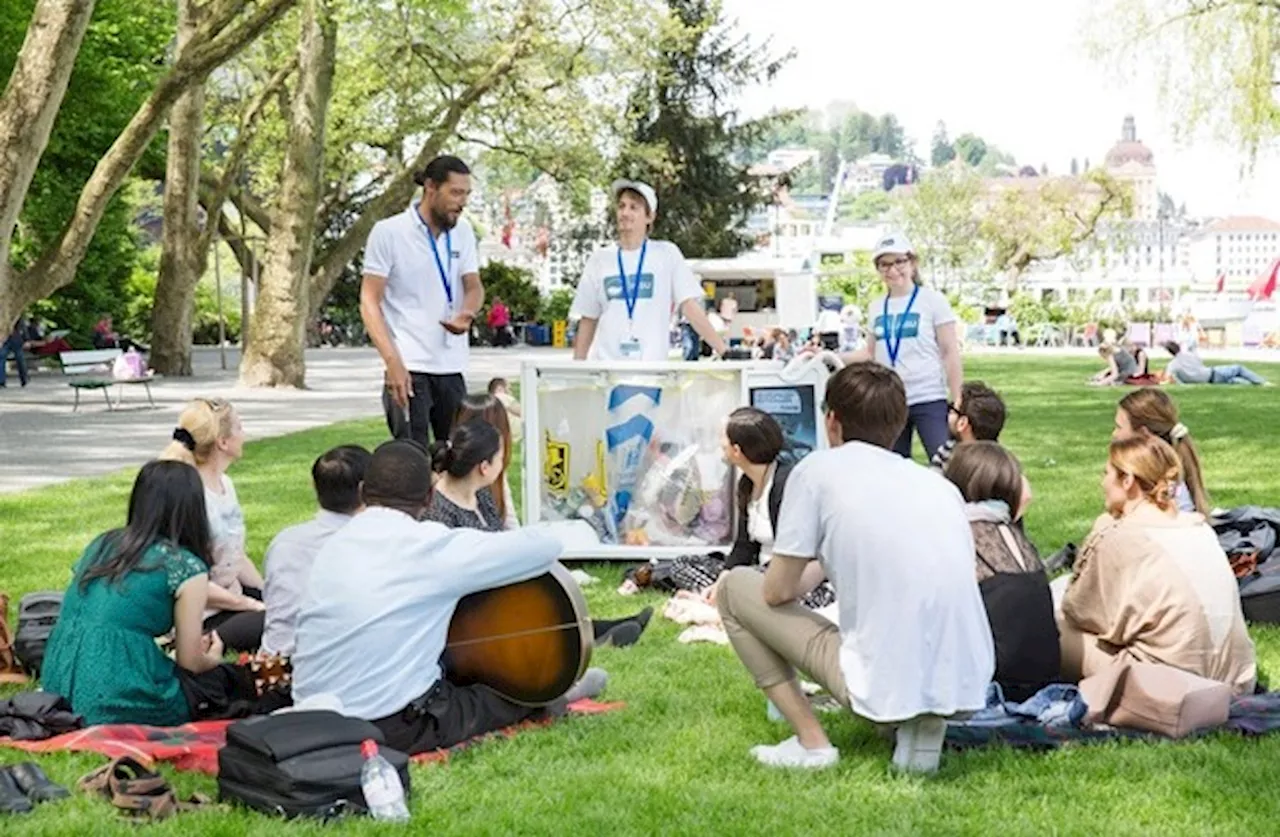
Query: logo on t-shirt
x=613, y=286
x=910, y=326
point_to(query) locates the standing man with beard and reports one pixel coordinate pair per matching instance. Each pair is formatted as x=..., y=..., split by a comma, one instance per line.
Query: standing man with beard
x=420, y=294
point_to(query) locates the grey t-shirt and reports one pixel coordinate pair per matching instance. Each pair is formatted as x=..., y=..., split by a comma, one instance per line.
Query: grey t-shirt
x=1126, y=366
x=1188, y=368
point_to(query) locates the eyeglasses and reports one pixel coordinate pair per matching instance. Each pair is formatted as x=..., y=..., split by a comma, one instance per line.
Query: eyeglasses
x=952, y=408
x=889, y=264
x=217, y=405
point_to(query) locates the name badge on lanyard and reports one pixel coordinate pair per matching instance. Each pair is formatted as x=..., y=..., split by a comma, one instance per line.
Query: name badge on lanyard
x=446, y=273
x=631, y=349
x=892, y=340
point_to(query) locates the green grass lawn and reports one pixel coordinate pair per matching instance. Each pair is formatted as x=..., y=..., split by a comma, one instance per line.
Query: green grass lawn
x=675, y=761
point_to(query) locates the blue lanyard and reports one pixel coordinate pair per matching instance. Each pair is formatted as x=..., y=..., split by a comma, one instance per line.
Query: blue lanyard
x=892, y=345
x=634, y=296
x=446, y=277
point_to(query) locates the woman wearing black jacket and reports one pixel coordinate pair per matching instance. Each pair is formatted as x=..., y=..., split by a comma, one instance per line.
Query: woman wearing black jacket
x=753, y=441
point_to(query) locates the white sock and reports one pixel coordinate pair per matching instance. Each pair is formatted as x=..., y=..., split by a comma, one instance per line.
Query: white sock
x=791, y=753
x=919, y=746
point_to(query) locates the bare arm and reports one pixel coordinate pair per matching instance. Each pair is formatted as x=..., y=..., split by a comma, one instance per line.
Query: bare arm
x=188, y=622
x=249, y=575
x=949, y=346
x=697, y=318
x=472, y=294
x=582, y=339
x=372, y=289
x=786, y=577
x=220, y=598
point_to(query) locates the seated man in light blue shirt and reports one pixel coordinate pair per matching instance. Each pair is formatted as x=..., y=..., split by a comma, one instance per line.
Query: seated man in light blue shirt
x=382, y=592
x=337, y=476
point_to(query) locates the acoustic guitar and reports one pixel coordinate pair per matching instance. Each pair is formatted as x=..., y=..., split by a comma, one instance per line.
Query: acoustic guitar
x=529, y=641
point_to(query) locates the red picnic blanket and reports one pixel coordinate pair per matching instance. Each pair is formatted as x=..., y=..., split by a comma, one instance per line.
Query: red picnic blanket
x=195, y=746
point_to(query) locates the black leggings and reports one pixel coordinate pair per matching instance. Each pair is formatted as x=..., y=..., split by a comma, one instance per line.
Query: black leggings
x=241, y=630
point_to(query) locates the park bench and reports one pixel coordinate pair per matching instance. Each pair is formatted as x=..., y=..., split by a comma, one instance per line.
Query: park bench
x=85, y=369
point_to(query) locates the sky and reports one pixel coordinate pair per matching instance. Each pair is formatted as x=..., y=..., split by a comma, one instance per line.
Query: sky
x=1013, y=72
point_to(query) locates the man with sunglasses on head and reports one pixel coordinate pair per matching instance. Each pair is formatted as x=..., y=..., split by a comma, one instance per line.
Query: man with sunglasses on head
x=628, y=293
x=419, y=297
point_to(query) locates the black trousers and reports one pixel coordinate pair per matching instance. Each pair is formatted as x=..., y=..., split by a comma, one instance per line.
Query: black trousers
x=241, y=630
x=448, y=715
x=435, y=403
x=227, y=691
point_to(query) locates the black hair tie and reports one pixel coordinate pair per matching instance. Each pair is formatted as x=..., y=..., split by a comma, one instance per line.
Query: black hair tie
x=184, y=436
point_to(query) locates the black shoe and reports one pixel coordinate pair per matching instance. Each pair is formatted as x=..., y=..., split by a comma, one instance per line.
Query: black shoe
x=12, y=799
x=35, y=784
x=620, y=636
x=1063, y=559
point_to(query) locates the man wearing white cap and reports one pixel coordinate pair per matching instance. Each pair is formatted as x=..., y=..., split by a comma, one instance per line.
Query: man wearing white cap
x=913, y=332
x=628, y=293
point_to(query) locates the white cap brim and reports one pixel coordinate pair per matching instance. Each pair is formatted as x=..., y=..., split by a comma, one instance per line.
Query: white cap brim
x=639, y=187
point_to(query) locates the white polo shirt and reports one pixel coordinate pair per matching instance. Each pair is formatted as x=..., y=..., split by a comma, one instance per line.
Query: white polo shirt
x=415, y=302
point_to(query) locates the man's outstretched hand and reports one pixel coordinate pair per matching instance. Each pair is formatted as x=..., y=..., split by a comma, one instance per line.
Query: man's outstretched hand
x=460, y=323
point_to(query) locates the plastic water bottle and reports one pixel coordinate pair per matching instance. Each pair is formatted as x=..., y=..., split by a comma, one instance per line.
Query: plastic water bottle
x=380, y=783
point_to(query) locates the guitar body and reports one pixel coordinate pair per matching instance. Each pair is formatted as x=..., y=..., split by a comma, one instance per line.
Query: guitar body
x=528, y=641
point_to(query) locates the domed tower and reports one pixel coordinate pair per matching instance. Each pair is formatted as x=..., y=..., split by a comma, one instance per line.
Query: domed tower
x=1130, y=161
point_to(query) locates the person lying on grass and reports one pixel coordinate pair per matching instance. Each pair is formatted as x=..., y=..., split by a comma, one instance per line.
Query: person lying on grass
x=913, y=645
x=1152, y=583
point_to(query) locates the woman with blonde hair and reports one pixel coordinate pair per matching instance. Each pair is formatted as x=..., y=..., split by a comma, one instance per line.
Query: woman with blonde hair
x=1151, y=583
x=210, y=437
x=1152, y=412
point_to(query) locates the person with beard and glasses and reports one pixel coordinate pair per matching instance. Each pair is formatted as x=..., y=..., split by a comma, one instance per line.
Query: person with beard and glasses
x=419, y=297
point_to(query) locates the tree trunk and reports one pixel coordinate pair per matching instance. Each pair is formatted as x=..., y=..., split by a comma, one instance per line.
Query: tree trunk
x=217, y=40
x=181, y=264
x=27, y=109
x=277, y=336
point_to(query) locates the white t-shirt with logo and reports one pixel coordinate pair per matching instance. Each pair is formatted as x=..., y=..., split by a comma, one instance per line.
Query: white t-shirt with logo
x=415, y=302
x=914, y=635
x=666, y=281
x=919, y=361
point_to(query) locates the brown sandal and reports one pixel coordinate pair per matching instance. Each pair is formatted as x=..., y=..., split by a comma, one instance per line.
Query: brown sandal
x=133, y=788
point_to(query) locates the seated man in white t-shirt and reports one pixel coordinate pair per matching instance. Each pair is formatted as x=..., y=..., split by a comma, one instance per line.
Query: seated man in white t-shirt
x=628, y=293
x=913, y=645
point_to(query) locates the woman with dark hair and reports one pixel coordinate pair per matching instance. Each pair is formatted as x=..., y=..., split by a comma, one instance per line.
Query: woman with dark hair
x=490, y=408
x=130, y=586
x=468, y=463
x=753, y=442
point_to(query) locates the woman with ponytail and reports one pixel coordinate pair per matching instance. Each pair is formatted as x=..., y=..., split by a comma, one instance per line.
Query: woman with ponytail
x=1151, y=583
x=210, y=437
x=1152, y=412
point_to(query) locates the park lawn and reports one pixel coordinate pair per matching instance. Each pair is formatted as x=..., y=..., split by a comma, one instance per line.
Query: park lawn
x=675, y=761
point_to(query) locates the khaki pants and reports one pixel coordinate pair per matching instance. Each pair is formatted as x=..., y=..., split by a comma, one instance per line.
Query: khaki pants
x=773, y=642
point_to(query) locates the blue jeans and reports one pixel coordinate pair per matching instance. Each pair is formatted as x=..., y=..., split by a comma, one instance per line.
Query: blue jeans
x=929, y=419
x=1234, y=373
x=13, y=344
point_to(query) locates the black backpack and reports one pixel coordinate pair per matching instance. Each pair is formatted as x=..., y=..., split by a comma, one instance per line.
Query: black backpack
x=37, y=614
x=304, y=763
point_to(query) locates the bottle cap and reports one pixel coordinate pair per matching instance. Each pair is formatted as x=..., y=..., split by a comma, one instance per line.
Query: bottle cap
x=368, y=748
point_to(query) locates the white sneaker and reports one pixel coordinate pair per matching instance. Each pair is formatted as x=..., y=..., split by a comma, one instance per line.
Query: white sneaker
x=791, y=753
x=919, y=744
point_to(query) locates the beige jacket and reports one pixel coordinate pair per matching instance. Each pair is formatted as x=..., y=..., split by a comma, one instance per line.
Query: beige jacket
x=1161, y=590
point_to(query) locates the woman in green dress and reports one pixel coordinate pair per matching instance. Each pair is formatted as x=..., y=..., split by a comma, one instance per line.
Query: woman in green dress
x=131, y=586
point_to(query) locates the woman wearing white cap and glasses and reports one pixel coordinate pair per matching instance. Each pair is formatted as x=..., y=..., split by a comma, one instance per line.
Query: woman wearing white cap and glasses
x=628, y=293
x=914, y=333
